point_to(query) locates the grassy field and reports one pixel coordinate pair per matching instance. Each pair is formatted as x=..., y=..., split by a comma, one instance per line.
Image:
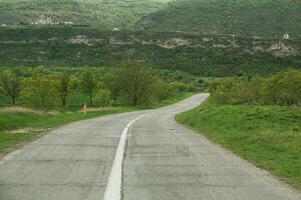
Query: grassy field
x=267, y=136
x=19, y=126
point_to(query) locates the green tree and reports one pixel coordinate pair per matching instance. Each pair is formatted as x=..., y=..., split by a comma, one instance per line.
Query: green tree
x=40, y=91
x=163, y=90
x=89, y=83
x=10, y=83
x=137, y=83
x=111, y=82
x=103, y=97
x=65, y=86
x=283, y=88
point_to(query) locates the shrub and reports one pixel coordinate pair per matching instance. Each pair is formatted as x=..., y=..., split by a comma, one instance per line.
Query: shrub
x=178, y=86
x=281, y=89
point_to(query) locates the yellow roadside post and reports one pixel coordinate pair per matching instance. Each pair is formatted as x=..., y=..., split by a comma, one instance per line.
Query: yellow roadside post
x=85, y=109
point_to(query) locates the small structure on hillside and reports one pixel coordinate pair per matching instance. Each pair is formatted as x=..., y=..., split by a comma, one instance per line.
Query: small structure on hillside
x=43, y=21
x=115, y=29
x=286, y=36
x=68, y=23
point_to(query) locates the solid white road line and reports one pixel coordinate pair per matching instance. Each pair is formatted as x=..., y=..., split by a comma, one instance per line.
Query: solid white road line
x=113, y=189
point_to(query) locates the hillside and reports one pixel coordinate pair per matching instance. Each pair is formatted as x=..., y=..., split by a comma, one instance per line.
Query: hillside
x=207, y=55
x=268, y=18
x=105, y=14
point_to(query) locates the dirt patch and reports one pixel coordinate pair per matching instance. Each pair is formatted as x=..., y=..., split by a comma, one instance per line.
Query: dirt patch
x=28, y=130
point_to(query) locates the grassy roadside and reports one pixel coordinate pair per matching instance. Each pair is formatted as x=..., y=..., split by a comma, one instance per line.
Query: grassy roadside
x=174, y=99
x=267, y=136
x=17, y=128
x=20, y=127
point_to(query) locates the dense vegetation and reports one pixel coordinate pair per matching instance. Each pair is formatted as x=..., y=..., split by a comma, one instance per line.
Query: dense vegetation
x=76, y=47
x=129, y=83
x=269, y=18
x=105, y=14
x=258, y=118
x=283, y=88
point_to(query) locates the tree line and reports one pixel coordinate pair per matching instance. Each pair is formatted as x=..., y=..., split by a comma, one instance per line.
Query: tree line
x=283, y=88
x=128, y=83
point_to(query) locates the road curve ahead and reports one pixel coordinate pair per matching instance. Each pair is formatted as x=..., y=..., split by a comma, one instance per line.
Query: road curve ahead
x=134, y=156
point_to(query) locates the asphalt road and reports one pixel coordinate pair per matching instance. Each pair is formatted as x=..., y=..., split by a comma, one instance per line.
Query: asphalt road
x=134, y=156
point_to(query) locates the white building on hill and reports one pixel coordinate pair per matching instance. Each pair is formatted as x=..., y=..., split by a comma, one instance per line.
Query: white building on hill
x=286, y=36
x=43, y=21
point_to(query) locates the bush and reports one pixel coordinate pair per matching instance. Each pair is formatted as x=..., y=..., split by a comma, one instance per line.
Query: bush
x=281, y=89
x=178, y=86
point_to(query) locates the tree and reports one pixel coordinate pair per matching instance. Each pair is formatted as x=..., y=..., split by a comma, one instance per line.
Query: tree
x=163, y=90
x=178, y=86
x=11, y=85
x=283, y=88
x=137, y=83
x=103, y=97
x=89, y=83
x=111, y=82
x=40, y=91
x=64, y=86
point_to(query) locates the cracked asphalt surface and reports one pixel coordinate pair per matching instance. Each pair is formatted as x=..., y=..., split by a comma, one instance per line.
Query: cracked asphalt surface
x=163, y=160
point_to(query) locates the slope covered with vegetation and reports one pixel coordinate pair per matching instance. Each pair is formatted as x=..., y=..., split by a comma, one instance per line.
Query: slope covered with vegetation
x=199, y=54
x=105, y=14
x=269, y=18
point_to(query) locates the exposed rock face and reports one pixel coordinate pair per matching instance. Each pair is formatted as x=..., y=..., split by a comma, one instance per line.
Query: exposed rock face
x=174, y=43
x=282, y=49
x=278, y=48
x=223, y=55
x=79, y=39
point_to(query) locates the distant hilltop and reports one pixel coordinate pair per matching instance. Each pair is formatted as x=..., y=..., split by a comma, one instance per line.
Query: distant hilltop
x=103, y=14
x=252, y=18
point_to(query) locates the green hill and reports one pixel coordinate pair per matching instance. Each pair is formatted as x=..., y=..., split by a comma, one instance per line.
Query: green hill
x=206, y=55
x=261, y=18
x=105, y=14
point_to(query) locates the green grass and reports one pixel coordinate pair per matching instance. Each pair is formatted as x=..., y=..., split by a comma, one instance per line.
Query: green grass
x=15, y=120
x=9, y=140
x=38, y=122
x=268, y=136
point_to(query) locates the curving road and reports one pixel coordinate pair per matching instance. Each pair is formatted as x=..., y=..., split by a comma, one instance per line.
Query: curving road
x=134, y=156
